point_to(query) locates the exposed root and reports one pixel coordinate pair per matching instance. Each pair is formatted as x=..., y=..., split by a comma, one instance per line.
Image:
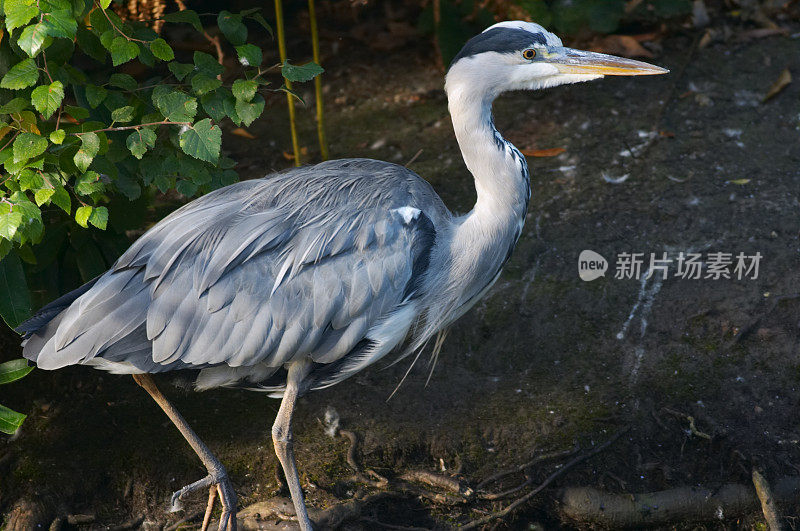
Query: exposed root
x=183, y=521
x=377, y=480
x=520, y=469
x=440, y=481
x=475, y=524
x=768, y=507
x=684, y=504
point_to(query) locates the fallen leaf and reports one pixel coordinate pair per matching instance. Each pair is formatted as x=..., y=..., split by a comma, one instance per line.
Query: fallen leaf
x=624, y=45
x=290, y=156
x=706, y=39
x=244, y=133
x=739, y=181
x=781, y=83
x=552, y=152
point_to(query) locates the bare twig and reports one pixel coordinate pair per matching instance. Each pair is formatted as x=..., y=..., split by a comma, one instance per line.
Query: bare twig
x=414, y=158
x=692, y=426
x=521, y=468
x=183, y=521
x=767, y=500
x=215, y=42
x=475, y=524
x=130, y=39
x=128, y=127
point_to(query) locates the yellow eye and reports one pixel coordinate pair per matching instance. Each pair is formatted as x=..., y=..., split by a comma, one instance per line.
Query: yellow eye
x=529, y=54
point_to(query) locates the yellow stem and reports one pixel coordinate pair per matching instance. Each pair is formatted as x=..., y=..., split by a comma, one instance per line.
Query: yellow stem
x=289, y=101
x=323, y=142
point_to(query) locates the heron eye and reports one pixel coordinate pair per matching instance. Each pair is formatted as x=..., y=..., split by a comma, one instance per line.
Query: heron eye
x=529, y=54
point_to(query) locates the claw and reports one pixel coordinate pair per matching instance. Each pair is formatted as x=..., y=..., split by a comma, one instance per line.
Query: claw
x=178, y=496
x=218, y=483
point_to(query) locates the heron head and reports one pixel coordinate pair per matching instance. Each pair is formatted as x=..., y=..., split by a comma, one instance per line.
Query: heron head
x=518, y=55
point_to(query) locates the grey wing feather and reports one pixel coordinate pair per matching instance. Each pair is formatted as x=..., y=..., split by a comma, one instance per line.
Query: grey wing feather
x=307, y=263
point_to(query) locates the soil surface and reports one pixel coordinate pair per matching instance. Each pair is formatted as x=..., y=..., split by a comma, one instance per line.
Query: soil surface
x=704, y=372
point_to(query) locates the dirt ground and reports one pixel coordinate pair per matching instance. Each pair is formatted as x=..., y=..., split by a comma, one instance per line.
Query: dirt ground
x=694, y=161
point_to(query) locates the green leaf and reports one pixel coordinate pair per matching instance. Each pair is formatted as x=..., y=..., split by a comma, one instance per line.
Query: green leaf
x=95, y=95
x=82, y=216
x=258, y=17
x=180, y=70
x=107, y=38
x=122, y=50
x=98, y=22
x=91, y=45
x=47, y=98
x=203, y=84
x=60, y=23
x=10, y=420
x=89, y=183
x=177, y=106
x=19, y=12
x=244, y=89
x=13, y=370
x=9, y=223
x=186, y=187
x=123, y=81
x=32, y=38
x=15, y=304
x=301, y=73
x=99, y=217
x=30, y=180
x=28, y=146
x=207, y=64
x=248, y=112
x=79, y=113
x=21, y=75
x=43, y=195
x=140, y=140
x=231, y=26
x=162, y=50
x=249, y=55
x=61, y=199
x=214, y=104
x=57, y=136
x=90, y=145
x=202, y=141
x=105, y=3
x=14, y=106
x=187, y=16
x=123, y=114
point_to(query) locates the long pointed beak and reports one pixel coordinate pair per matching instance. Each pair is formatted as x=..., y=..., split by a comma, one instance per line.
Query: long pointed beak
x=570, y=61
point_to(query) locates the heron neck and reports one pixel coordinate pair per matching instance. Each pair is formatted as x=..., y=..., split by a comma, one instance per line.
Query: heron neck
x=484, y=238
x=500, y=171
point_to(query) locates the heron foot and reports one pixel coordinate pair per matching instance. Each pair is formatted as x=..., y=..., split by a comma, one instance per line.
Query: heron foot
x=218, y=483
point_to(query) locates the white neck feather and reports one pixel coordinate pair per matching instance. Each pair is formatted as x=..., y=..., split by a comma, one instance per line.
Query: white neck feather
x=483, y=238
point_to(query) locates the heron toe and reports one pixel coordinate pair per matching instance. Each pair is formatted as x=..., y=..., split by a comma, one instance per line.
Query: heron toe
x=219, y=484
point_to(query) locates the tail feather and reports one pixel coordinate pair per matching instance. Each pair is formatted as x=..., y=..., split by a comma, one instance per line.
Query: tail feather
x=38, y=329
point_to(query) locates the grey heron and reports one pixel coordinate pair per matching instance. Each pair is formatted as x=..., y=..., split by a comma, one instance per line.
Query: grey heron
x=296, y=281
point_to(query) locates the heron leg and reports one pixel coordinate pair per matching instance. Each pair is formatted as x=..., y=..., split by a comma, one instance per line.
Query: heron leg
x=282, y=440
x=217, y=479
